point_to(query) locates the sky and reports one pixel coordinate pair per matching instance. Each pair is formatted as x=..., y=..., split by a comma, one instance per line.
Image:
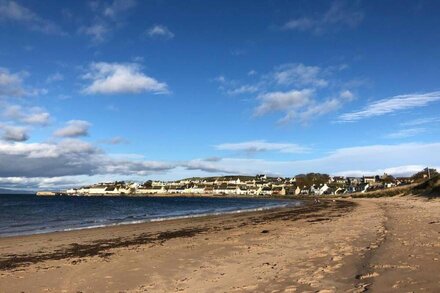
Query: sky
x=94, y=91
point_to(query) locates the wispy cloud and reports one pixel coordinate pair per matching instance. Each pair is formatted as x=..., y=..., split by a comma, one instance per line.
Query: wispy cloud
x=422, y=121
x=121, y=78
x=98, y=31
x=117, y=7
x=391, y=105
x=404, y=133
x=244, y=89
x=404, y=171
x=283, y=101
x=262, y=146
x=312, y=110
x=340, y=14
x=160, y=31
x=11, y=85
x=74, y=128
x=107, y=18
x=114, y=140
x=312, y=91
x=299, y=75
x=367, y=159
x=12, y=11
x=54, y=77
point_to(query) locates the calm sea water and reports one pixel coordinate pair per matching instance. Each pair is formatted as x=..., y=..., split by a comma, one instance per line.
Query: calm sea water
x=29, y=214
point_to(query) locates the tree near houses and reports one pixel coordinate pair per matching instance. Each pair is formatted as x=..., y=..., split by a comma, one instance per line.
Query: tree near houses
x=148, y=184
x=311, y=178
x=387, y=179
x=424, y=174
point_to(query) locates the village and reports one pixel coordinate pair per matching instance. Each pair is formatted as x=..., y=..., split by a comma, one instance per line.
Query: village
x=311, y=184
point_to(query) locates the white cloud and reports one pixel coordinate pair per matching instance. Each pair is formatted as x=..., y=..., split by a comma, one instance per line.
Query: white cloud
x=338, y=15
x=391, y=105
x=407, y=132
x=262, y=146
x=347, y=95
x=283, y=101
x=299, y=75
x=301, y=24
x=54, y=77
x=399, y=171
x=207, y=166
x=37, y=183
x=118, y=6
x=118, y=78
x=313, y=91
x=422, y=121
x=14, y=133
x=41, y=118
x=46, y=150
x=69, y=158
x=13, y=12
x=220, y=79
x=74, y=128
x=160, y=31
x=244, y=89
x=114, y=140
x=232, y=87
x=33, y=115
x=11, y=84
x=312, y=110
x=367, y=159
x=238, y=52
x=108, y=18
x=97, y=31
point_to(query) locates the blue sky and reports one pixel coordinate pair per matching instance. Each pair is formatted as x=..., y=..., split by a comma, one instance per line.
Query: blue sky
x=136, y=90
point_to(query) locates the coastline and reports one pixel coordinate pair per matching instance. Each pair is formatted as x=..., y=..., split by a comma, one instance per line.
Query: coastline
x=342, y=245
x=260, y=205
x=61, y=240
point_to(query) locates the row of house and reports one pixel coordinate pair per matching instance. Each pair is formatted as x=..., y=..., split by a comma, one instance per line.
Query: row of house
x=260, y=185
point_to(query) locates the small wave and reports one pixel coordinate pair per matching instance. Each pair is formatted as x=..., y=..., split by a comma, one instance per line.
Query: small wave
x=139, y=219
x=169, y=218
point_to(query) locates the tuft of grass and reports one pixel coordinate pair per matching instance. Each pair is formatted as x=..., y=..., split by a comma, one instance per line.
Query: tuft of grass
x=429, y=187
x=389, y=192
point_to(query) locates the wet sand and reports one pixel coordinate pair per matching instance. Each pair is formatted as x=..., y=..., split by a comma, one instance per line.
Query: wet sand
x=379, y=245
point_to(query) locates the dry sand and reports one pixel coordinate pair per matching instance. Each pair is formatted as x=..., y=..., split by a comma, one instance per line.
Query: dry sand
x=379, y=245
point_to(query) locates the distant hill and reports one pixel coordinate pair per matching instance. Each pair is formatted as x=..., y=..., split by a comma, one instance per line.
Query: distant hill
x=12, y=191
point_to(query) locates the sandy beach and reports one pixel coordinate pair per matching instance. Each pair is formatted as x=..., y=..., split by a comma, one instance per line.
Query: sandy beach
x=352, y=245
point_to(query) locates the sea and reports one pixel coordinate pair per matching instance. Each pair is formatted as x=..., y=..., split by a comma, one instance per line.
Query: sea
x=28, y=214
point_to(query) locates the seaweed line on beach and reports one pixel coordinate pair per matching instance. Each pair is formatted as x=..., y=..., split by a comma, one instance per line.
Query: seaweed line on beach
x=101, y=248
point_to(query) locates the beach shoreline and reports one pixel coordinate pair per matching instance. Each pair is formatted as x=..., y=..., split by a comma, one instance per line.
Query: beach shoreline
x=151, y=213
x=336, y=245
x=124, y=230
